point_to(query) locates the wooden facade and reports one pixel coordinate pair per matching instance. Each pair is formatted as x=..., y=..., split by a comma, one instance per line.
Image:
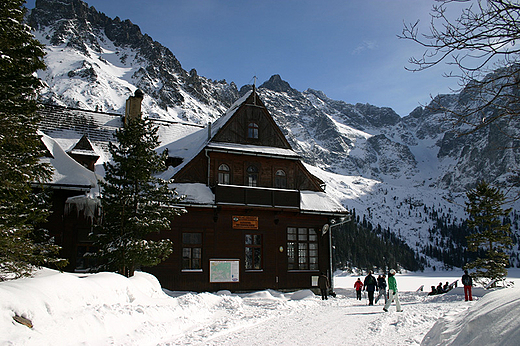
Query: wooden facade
x=220, y=240
x=260, y=225
x=255, y=235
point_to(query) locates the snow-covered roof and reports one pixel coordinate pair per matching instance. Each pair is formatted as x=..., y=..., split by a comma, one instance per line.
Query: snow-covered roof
x=194, y=193
x=319, y=202
x=189, y=146
x=66, y=171
x=253, y=150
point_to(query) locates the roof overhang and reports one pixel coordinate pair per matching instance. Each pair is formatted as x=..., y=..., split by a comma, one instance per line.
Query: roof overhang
x=252, y=150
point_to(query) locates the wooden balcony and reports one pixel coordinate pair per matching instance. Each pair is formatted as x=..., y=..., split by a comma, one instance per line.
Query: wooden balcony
x=257, y=196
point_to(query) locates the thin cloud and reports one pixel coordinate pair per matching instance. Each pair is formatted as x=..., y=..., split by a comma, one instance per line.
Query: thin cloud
x=365, y=45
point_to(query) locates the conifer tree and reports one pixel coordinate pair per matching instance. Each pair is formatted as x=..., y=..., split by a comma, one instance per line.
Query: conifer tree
x=489, y=232
x=135, y=202
x=21, y=209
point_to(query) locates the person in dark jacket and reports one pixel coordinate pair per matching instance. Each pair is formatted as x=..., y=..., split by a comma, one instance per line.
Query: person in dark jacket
x=324, y=285
x=467, y=281
x=370, y=286
x=381, y=286
x=439, y=288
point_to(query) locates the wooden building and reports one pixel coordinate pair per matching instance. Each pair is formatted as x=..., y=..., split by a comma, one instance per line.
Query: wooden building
x=256, y=217
x=255, y=213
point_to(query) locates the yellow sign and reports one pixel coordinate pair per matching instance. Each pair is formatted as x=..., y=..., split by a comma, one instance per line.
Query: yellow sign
x=245, y=222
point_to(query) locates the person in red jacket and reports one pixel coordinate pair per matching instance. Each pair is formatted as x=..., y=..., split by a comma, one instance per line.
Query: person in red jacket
x=358, y=285
x=467, y=281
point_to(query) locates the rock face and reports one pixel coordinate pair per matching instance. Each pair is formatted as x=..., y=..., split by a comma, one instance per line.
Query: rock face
x=397, y=171
x=105, y=43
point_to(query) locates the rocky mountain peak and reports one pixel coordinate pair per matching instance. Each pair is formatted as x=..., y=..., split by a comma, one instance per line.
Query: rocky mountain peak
x=379, y=116
x=276, y=83
x=119, y=43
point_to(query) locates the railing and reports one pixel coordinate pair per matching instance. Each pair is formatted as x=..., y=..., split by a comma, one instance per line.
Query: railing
x=256, y=196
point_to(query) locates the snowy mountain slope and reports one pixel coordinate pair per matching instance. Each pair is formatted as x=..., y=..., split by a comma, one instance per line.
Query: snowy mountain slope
x=396, y=171
x=94, y=62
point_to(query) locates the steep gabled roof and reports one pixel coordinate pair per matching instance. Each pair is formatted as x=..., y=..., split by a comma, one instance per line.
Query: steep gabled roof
x=252, y=111
x=66, y=172
x=188, y=147
x=83, y=147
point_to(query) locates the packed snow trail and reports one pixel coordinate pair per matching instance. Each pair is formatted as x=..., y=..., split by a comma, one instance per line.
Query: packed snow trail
x=335, y=321
x=109, y=309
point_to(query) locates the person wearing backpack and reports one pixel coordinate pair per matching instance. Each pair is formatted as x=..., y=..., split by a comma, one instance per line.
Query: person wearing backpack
x=370, y=286
x=381, y=286
x=467, y=281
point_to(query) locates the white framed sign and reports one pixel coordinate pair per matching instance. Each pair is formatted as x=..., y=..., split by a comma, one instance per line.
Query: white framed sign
x=224, y=270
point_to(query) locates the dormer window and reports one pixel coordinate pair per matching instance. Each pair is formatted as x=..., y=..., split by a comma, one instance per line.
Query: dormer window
x=252, y=176
x=223, y=174
x=252, y=130
x=280, y=179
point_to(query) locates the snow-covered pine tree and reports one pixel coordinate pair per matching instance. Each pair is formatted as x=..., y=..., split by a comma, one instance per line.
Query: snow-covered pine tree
x=489, y=232
x=135, y=202
x=21, y=209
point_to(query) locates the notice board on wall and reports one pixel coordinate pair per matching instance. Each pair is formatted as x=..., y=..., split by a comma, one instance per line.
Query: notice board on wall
x=224, y=270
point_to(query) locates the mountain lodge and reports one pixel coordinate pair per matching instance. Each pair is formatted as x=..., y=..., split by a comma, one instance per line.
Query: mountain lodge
x=256, y=217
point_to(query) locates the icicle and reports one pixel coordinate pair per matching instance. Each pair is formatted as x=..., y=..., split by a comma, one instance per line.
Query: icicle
x=85, y=203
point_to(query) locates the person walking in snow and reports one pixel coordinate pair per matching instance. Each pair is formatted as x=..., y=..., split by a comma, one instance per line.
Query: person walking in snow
x=324, y=285
x=392, y=292
x=467, y=281
x=370, y=286
x=381, y=286
x=358, y=285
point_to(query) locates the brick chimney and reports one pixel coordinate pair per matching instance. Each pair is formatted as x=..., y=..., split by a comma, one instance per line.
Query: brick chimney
x=133, y=106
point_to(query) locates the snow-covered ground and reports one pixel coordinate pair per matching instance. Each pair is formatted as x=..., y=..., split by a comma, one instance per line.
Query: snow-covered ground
x=108, y=309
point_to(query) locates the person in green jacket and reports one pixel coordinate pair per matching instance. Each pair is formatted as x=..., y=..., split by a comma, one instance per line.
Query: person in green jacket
x=392, y=292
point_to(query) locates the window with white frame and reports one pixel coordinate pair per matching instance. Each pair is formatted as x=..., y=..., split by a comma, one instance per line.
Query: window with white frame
x=223, y=174
x=302, y=248
x=252, y=176
x=280, y=179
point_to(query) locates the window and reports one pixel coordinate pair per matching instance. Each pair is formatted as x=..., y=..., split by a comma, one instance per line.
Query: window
x=302, y=248
x=191, y=250
x=252, y=176
x=280, y=179
x=223, y=174
x=252, y=130
x=253, y=258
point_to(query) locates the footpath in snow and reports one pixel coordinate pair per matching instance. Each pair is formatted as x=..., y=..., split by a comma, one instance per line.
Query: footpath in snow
x=108, y=309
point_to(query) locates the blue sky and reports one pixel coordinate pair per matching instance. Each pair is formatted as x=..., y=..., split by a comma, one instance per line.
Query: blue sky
x=346, y=48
